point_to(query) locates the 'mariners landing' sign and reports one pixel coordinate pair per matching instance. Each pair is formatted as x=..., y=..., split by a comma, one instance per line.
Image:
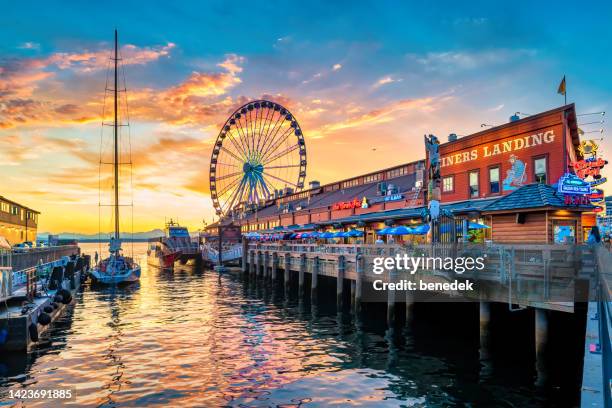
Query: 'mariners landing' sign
x=495, y=149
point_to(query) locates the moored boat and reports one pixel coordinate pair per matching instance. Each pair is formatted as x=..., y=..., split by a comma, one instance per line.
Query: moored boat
x=115, y=269
x=175, y=245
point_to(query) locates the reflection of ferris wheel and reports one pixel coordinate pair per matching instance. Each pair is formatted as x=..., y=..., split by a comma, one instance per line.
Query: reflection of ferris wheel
x=259, y=150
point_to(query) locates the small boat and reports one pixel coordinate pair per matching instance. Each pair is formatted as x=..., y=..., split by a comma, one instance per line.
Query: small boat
x=115, y=269
x=175, y=246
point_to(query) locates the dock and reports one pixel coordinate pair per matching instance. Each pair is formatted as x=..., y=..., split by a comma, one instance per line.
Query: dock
x=34, y=297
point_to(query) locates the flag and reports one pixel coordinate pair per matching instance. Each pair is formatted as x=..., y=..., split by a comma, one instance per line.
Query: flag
x=561, y=89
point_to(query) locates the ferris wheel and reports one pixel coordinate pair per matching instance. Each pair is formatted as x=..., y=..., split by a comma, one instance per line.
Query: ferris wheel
x=260, y=150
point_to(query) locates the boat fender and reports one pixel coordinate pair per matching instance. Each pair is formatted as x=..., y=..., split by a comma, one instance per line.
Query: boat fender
x=66, y=296
x=48, y=309
x=58, y=298
x=33, y=329
x=44, y=319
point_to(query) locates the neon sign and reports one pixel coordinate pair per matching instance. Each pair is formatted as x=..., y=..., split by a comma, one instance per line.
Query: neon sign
x=573, y=199
x=347, y=205
x=589, y=167
x=392, y=197
x=572, y=184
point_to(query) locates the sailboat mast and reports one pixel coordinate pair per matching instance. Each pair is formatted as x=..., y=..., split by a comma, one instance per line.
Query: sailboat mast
x=116, y=147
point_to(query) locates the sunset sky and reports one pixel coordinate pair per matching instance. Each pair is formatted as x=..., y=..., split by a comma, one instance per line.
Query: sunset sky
x=357, y=76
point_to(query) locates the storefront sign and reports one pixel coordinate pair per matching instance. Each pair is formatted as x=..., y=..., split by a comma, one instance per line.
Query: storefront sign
x=572, y=184
x=596, y=195
x=347, y=205
x=598, y=182
x=392, y=197
x=597, y=209
x=589, y=167
x=496, y=149
x=573, y=199
x=588, y=148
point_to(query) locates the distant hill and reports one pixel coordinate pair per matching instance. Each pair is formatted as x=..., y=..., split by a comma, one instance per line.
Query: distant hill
x=137, y=236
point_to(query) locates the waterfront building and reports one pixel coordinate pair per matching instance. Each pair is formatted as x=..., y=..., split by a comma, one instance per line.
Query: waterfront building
x=504, y=178
x=18, y=223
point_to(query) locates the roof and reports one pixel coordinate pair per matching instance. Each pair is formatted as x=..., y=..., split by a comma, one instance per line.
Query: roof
x=19, y=205
x=324, y=199
x=531, y=196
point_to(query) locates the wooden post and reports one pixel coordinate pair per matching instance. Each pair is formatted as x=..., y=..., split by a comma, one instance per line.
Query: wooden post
x=541, y=341
x=252, y=262
x=287, y=269
x=266, y=265
x=391, y=294
x=301, y=274
x=340, y=280
x=245, y=254
x=315, y=277
x=359, y=267
x=274, y=265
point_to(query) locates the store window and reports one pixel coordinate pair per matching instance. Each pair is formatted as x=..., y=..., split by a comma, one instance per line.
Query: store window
x=448, y=184
x=564, y=233
x=539, y=166
x=494, y=180
x=474, y=184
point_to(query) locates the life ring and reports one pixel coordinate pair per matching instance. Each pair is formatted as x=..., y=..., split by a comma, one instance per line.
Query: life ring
x=33, y=329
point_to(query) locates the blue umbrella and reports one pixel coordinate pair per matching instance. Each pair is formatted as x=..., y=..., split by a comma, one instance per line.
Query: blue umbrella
x=401, y=230
x=421, y=229
x=327, y=235
x=354, y=233
x=339, y=234
x=475, y=225
x=384, y=231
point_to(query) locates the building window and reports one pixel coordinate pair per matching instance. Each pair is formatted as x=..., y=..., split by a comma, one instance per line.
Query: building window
x=5, y=207
x=539, y=166
x=397, y=172
x=448, y=184
x=15, y=210
x=474, y=184
x=494, y=180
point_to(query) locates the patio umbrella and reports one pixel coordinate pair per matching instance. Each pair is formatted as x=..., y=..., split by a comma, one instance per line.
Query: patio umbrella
x=327, y=235
x=475, y=225
x=339, y=234
x=384, y=231
x=354, y=233
x=401, y=230
x=421, y=229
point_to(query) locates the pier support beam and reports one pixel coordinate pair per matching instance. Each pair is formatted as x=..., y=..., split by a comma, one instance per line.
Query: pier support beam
x=409, y=307
x=301, y=274
x=359, y=267
x=541, y=342
x=245, y=254
x=260, y=266
x=391, y=294
x=485, y=322
x=274, y=266
x=340, y=280
x=266, y=265
x=252, y=262
x=315, y=279
x=287, y=270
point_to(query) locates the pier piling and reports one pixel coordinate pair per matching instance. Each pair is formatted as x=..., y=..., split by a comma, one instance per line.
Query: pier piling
x=315, y=277
x=541, y=341
x=274, y=266
x=359, y=266
x=340, y=280
x=301, y=274
x=287, y=271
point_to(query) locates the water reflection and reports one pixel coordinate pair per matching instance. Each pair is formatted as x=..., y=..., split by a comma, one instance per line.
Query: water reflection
x=199, y=338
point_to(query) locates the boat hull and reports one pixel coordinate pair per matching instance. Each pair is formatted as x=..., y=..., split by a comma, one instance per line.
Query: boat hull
x=103, y=278
x=164, y=261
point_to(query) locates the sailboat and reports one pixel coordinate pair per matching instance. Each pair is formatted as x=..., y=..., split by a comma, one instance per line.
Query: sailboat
x=115, y=269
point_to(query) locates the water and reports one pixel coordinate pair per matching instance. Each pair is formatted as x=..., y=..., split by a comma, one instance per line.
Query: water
x=194, y=338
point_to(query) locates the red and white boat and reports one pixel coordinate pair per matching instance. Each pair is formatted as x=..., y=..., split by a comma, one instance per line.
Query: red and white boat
x=175, y=246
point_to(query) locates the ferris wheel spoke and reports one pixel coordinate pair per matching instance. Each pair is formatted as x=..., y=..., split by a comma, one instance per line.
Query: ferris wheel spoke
x=231, y=154
x=258, y=125
x=243, y=136
x=283, y=167
x=270, y=133
x=226, y=176
x=228, y=187
x=274, y=141
x=235, y=194
x=239, y=148
x=278, y=125
x=227, y=164
x=281, y=180
x=266, y=158
x=267, y=122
